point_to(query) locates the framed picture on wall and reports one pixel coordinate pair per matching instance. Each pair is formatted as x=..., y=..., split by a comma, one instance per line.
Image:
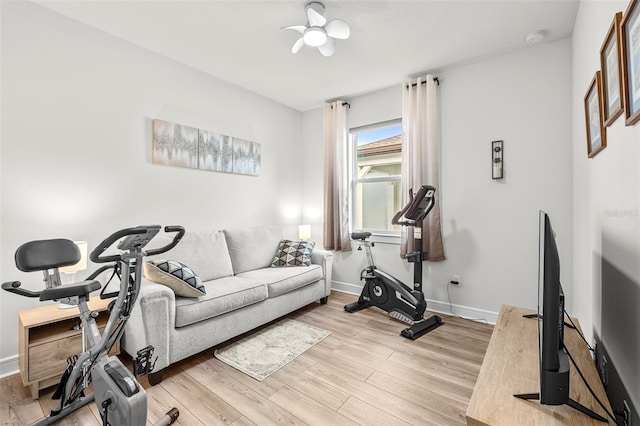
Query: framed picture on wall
x=611, y=67
x=596, y=136
x=630, y=39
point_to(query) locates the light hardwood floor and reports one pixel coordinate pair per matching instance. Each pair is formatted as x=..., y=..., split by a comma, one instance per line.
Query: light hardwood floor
x=363, y=373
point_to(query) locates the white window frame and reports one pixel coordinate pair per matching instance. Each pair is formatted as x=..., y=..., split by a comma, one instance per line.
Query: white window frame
x=381, y=236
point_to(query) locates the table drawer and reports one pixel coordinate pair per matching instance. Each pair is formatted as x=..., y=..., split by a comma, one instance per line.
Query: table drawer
x=50, y=359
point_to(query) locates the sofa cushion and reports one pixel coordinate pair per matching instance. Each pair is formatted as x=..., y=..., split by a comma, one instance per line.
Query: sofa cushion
x=223, y=295
x=252, y=248
x=293, y=253
x=283, y=280
x=175, y=275
x=205, y=252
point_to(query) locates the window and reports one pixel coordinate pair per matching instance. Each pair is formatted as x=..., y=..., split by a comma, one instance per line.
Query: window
x=375, y=177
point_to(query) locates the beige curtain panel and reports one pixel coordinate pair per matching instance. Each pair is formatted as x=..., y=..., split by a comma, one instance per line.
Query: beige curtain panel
x=420, y=160
x=336, y=185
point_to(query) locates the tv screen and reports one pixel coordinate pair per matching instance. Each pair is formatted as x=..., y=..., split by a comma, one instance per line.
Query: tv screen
x=554, y=361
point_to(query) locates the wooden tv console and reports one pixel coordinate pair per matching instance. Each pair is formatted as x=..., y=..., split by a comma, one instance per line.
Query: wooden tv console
x=510, y=367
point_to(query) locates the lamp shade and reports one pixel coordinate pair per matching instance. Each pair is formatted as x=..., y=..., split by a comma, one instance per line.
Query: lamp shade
x=304, y=232
x=82, y=264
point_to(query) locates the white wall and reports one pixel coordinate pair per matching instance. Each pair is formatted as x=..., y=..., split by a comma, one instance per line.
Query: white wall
x=77, y=106
x=606, y=212
x=490, y=227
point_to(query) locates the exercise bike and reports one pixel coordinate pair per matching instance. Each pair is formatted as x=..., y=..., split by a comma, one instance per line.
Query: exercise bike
x=387, y=292
x=118, y=396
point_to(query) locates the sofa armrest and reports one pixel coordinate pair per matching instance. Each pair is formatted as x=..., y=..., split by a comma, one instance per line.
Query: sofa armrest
x=324, y=258
x=152, y=322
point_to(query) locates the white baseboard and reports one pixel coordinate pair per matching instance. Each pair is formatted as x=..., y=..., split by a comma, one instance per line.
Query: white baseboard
x=346, y=287
x=9, y=366
x=466, y=312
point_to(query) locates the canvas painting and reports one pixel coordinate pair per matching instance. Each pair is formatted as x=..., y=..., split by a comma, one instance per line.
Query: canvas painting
x=215, y=151
x=246, y=157
x=184, y=146
x=174, y=144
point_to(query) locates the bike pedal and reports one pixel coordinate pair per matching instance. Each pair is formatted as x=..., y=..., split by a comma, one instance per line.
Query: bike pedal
x=142, y=363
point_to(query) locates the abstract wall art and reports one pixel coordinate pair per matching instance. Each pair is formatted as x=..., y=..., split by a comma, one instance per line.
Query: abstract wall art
x=184, y=146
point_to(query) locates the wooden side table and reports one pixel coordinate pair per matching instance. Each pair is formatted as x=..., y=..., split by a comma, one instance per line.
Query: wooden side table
x=47, y=336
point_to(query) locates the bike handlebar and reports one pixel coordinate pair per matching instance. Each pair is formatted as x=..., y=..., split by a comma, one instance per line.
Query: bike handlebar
x=176, y=239
x=417, y=208
x=14, y=287
x=135, y=238
x=95, y=255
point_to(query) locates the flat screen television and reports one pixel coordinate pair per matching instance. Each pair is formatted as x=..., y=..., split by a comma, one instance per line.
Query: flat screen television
x=554, y=361
x=553, y=357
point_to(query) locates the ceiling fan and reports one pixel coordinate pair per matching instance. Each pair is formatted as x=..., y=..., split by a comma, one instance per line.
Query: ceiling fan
x=317, y=32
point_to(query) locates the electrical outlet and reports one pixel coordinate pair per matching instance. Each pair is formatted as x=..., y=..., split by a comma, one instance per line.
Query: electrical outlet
x=626, y=414
x=455, y=279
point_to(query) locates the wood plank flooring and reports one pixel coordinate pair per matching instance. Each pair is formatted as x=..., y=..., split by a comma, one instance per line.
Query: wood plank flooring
x=364, y=373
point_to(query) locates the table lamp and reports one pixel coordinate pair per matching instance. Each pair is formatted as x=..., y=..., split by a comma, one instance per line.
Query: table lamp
x=304, y=232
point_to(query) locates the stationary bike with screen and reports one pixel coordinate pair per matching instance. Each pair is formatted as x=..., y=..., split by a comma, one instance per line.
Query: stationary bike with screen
x=386, y=292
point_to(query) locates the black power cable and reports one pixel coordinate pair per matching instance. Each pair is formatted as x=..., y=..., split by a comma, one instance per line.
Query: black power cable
x=584, y=379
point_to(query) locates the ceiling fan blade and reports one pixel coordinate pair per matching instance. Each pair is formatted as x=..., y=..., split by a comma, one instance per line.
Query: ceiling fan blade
x=328, y=48
x=338, y=29
x=299, y=44
x=314, y=14
x=299, y=28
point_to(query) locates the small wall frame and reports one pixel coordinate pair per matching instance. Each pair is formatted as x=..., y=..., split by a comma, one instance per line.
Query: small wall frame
x=630, y=40
x=596, y=136
x=611, y=67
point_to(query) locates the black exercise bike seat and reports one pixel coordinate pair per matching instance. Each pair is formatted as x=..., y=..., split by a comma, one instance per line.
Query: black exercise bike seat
x=360, y=235
x=70, y=290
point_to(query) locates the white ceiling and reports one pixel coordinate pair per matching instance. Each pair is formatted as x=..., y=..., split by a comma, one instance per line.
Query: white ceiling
x=241, y=41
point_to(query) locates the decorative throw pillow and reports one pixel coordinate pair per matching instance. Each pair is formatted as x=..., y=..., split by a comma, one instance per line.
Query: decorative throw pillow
x=175, y=275
x=293, y=253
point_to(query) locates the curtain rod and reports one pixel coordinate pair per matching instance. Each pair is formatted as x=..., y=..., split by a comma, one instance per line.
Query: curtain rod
x=347, y=104
x=425, y=81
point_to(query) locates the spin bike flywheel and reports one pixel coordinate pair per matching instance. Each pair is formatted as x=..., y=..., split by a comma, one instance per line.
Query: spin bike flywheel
x=378, y=292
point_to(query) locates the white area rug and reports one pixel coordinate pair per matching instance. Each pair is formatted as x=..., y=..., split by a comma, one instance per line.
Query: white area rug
x=266, y=351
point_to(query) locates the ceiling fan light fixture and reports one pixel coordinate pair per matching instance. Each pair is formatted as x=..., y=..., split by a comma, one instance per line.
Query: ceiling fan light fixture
x=315, y=36
x=318, y=32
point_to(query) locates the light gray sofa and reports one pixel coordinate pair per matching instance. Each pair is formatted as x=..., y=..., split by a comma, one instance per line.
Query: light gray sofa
x=243, y=292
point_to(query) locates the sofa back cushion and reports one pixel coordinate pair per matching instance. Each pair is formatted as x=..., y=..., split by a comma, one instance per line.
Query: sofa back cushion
x=252, y=248
x=205, y=252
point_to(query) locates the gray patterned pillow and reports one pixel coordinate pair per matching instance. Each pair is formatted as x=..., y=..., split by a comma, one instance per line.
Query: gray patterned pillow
x=175, y=275
x=293, y=253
